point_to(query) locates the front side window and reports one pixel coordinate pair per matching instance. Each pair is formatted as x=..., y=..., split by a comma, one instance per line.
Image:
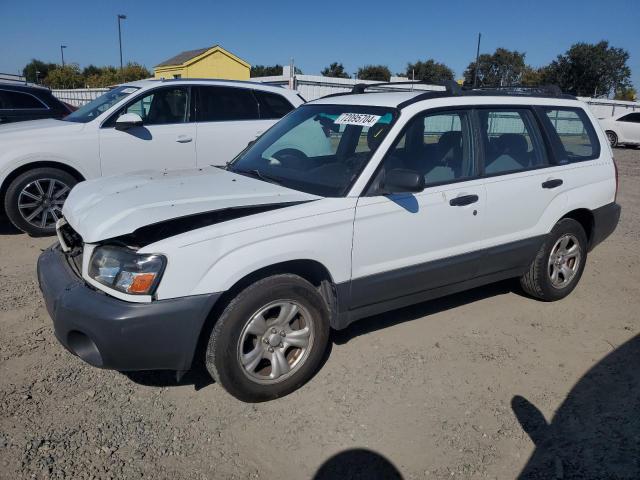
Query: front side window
x=97, y=107
x=19, y=101
x=318, y=149
x=438, y=146
x=161, y=107
x=577, y=138
x=512, y=141
x=272, y=105
x=220, y=104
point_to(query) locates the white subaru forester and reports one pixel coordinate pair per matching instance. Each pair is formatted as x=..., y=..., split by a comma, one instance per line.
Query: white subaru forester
x=407, y=196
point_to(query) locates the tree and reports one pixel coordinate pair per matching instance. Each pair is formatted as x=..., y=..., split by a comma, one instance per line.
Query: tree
x=502, y=68
x=590, y=70
x=68, y=76
x=91, y=70
x=43, y=69
x=335, y=70
x=266, y=71
x=374, y=72
x=429, y=71
x=627, y=93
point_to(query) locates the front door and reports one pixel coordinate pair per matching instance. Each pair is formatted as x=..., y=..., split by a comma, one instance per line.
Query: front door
x=165, y=141
x=407, y=244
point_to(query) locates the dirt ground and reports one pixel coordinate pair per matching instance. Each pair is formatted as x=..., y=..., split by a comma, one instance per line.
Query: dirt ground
x=484, y=384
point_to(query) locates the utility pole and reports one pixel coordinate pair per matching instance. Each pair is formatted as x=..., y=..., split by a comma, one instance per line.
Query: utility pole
x=475, y=71
x=120, y=17
x=62, y=47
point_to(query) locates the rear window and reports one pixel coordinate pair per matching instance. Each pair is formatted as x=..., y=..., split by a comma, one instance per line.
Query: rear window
x=272, y=105
x=19, y=101
x=577, y=136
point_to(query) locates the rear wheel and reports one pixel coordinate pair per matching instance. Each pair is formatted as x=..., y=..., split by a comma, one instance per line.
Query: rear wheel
x=34, y=199
x=559, y=264
x=613, y=138
x=270, y=339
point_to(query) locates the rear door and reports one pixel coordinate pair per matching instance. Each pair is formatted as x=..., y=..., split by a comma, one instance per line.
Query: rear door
x=228, y=118
x=407, y=244
x=165, y=141
x=531, y=160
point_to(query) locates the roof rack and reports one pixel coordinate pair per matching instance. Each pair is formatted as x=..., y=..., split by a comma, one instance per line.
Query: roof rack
x=525, y=90
x=451, y=87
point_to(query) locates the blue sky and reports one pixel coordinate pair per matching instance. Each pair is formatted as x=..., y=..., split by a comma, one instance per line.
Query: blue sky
x=314, y=33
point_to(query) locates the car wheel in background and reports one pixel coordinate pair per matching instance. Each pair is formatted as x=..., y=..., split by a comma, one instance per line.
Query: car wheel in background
x=270, y=339
x=559, y=263
x=34, y=199
x=613, y=138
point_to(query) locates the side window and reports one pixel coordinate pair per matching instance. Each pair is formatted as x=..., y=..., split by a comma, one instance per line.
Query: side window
x=19, y=101
x=630, y=117
x=512, y=141
x=439, y=146
x=577, y=136
x=272, y=105
x=219, y=104
x=164, y=106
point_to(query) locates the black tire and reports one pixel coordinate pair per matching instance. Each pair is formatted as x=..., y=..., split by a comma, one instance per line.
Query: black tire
x=537, y=281
x=12, y=196
x=613, y=138
x=223, y=350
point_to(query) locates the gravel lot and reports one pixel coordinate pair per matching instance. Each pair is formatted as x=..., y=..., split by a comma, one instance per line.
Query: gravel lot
x=454, y=388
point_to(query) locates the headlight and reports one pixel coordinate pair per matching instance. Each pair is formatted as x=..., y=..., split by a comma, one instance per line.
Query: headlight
x=126, y=271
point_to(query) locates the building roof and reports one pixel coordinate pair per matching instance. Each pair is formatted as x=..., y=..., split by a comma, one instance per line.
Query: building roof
x=186, y=56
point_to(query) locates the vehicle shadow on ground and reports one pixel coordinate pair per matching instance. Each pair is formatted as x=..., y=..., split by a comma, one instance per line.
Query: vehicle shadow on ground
x=414, y=312
x=7, y=228
x=357, y=464
x=197, y=376
x=596, y=431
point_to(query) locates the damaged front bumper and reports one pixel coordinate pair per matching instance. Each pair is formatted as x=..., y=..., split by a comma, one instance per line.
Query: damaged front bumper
x=110, y=333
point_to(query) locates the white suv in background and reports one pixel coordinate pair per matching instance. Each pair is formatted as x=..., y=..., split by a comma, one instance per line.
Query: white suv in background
x=144, y=125
x=416, y=195
x=622, y=129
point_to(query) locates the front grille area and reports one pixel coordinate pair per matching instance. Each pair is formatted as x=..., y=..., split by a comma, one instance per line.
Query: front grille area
x=73, y=241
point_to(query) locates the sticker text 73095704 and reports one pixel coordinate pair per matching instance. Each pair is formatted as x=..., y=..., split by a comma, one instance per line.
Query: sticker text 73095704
x=360, y=119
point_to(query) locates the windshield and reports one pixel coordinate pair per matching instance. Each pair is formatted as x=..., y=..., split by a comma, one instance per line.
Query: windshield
x=96, y=107
x=318, y=149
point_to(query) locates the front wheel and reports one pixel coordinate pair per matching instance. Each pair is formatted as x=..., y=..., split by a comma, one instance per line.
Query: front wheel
x=270, y=339
x=613, y=138
x=34, y=199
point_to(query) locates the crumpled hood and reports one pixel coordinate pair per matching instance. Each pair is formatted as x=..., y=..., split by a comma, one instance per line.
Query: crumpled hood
x=117, y=205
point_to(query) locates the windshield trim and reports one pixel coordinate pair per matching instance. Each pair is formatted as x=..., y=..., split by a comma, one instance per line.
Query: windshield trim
x=395, y=114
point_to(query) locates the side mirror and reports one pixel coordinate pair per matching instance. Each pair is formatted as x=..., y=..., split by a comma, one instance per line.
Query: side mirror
x=128, y=120
x=400, y=180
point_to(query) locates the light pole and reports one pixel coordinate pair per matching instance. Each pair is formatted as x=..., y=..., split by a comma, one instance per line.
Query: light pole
x=62, y=47
x=120, y=17
x=475, y=73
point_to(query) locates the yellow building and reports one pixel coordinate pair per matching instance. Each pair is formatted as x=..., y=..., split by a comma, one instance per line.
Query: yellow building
x=213, y=62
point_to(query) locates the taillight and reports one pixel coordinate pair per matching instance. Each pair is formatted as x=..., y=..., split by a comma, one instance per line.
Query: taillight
x=615, y=167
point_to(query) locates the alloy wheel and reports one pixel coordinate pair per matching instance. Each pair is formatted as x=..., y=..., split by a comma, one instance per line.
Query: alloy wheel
x=564, y=260
x=40, y=202
x=276, y=341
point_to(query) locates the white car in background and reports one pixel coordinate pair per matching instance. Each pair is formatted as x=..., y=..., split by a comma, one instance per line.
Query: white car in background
x=622, y=129
x=143, y=125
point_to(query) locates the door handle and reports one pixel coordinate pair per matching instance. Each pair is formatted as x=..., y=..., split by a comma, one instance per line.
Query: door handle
x=183, y=139
x=463, y=200
x=556, y=182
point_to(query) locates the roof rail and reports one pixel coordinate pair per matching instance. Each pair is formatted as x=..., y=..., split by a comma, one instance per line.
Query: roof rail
x=451, y=87
x=547, y=90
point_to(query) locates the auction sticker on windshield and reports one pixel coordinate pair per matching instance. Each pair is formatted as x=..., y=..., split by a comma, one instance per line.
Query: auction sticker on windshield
x=359, y=119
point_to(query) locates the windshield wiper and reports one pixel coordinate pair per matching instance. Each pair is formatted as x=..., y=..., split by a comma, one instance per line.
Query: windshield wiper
x=257, y=174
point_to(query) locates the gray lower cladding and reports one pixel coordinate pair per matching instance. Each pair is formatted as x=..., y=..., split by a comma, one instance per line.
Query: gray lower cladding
x=401, y=287
x=110, y=333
